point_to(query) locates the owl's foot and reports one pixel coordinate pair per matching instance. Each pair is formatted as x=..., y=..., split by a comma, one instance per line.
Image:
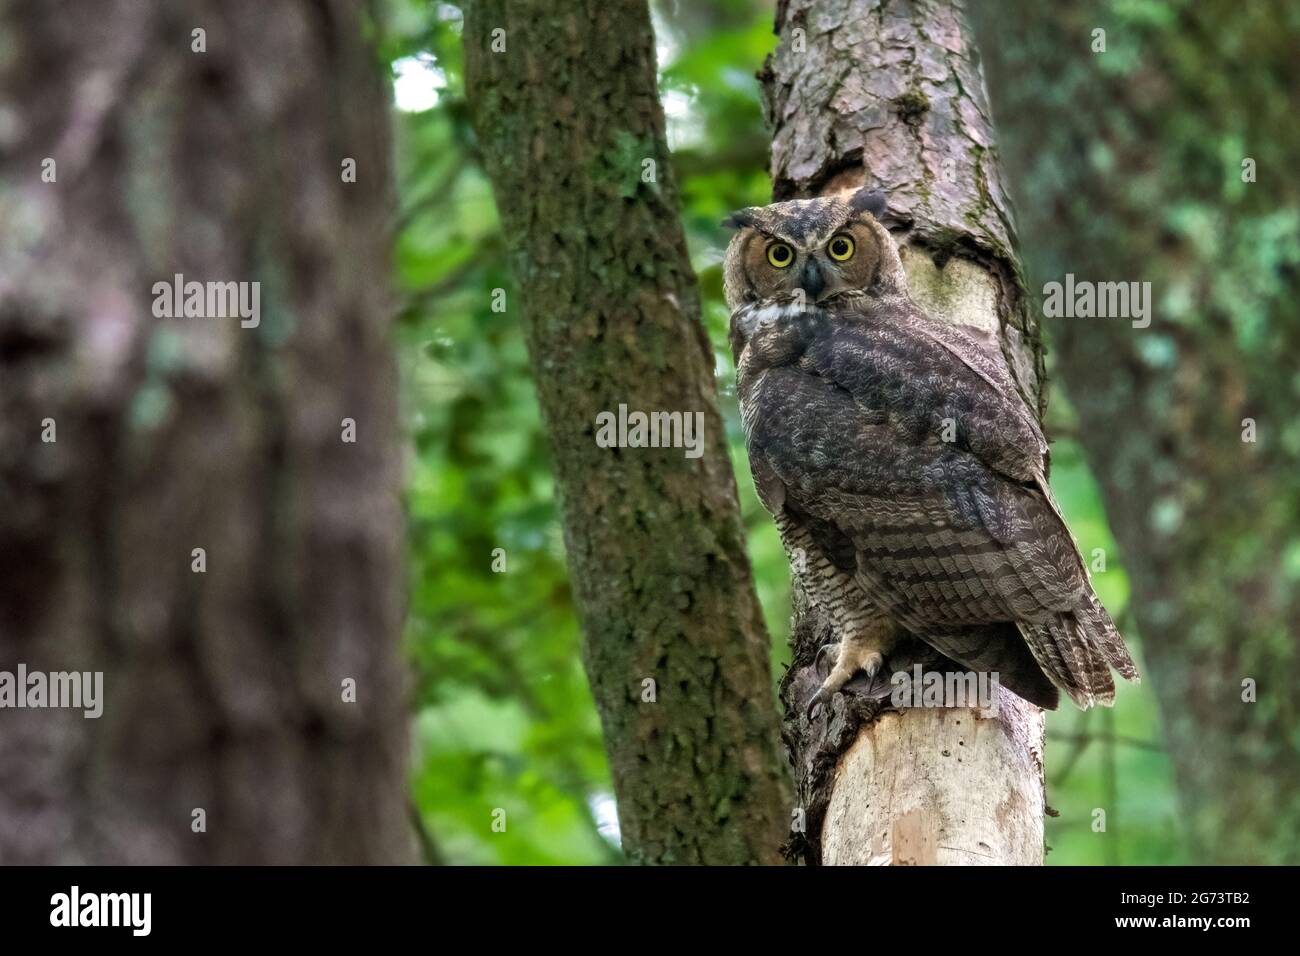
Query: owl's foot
x=850, y=657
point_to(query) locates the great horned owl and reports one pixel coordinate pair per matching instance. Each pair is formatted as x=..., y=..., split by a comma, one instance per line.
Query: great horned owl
x=900, y=462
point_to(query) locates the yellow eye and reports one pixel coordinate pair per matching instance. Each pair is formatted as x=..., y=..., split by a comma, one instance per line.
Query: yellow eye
x=840, y=248
x=780, y=255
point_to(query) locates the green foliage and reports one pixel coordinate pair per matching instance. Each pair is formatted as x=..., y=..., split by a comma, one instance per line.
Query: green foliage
x=503, y=718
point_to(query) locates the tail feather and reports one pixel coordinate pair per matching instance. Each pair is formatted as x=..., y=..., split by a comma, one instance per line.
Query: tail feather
x=1106, y=638
x=1050, y=646
x=1077, y=650
x=1094, y=667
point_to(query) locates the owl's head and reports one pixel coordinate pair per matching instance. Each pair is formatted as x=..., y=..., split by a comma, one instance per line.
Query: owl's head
x=823, y=246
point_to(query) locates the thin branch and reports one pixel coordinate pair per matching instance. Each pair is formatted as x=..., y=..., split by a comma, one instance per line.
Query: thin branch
x=1123, y=741
x=1081, y=739
x=429, y=851
x=485, y=249
x=437, y=195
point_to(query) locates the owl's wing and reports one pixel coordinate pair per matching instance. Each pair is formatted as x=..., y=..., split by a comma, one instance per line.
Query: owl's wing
x=942, y=569
x=950, y=534
x=936, y=379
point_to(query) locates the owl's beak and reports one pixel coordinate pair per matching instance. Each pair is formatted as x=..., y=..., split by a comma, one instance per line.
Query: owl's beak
x=811, y=279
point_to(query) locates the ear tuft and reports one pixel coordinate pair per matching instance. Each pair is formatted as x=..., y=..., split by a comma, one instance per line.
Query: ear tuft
x=869, y=200
x=739, y=219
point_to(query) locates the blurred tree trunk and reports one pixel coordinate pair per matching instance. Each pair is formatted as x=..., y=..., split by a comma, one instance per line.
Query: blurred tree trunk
x=1132, y=167
x=224, y=688
x=889, y=94
x=565, y=103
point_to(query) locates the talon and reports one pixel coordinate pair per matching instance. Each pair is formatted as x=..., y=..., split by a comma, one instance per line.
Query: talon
x=823, y=696
x=851, y=657
x=871, y=664
x=821, y=653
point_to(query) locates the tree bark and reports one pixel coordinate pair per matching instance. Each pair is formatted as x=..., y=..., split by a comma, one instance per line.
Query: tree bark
x=223, y=687
x=889, y=94
x=1130, y=163
x=572, y=132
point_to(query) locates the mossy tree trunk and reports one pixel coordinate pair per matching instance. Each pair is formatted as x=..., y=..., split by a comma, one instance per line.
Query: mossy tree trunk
x=128, y=441
x=565, y=103
x=889, y=94
x=1156, y=143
